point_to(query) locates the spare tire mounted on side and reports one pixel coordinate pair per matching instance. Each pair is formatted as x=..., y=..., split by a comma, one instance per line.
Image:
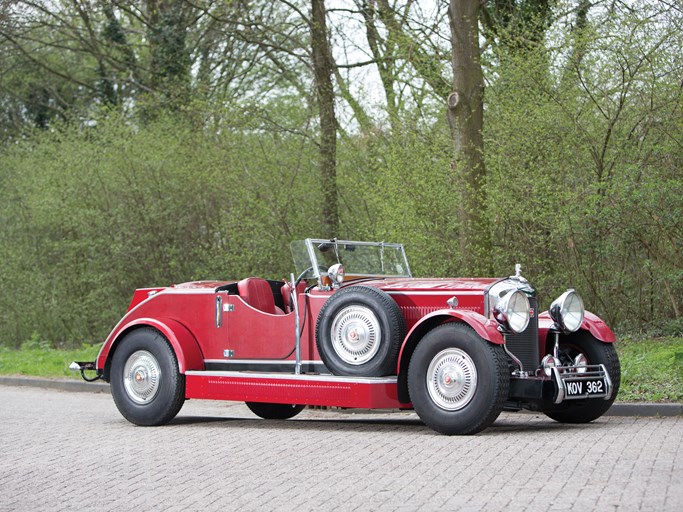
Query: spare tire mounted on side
x=359, y=332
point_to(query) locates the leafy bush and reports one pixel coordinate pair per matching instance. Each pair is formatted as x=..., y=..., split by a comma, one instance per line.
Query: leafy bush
x=89, y=214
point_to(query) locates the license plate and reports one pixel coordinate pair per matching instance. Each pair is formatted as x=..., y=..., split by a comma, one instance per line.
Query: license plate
x=585, y=388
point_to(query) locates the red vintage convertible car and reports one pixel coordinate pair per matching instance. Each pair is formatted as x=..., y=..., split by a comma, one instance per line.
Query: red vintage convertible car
x=354, y=329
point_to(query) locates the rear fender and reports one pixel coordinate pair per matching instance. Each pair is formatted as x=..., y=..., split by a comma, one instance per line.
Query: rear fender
x=485, y=328
x=182, y=341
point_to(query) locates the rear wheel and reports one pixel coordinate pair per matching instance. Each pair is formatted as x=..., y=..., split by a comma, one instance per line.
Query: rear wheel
x=146, y=385
x=274, y=411
x=457, y=381
x=595, y=352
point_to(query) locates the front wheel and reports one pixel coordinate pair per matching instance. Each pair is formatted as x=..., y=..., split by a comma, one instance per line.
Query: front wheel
x=457, y=381
x=274, y=411
x=595, y=352
x=146, y=385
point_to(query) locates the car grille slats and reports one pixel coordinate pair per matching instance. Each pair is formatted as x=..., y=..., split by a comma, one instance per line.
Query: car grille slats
x=525, y=345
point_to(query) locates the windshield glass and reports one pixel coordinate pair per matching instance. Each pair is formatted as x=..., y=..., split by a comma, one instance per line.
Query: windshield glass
x=359, y=258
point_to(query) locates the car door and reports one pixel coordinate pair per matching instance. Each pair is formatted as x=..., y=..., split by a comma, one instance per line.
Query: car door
x=253, y=334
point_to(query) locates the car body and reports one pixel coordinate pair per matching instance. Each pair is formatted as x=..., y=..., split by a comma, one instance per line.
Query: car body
x=355, y=329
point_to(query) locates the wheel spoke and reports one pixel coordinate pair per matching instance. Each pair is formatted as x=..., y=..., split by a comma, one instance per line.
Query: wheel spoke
x=452, y=379
x=141, y=377
x=355, y=334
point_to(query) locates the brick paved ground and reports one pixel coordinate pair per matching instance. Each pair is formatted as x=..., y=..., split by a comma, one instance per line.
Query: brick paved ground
x=73, y=451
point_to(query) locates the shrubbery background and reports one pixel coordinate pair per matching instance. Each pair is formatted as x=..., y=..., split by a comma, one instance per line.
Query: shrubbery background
x=584, y=184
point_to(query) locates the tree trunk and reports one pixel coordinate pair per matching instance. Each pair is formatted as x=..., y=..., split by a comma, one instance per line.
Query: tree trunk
x=170, y=58
x=466, y=120
x=322, y=70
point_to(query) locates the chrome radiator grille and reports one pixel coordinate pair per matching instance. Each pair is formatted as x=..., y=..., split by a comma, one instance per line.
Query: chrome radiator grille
x=525, y=345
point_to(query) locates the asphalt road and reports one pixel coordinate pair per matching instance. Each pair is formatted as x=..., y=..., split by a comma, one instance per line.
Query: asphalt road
x=73, y=451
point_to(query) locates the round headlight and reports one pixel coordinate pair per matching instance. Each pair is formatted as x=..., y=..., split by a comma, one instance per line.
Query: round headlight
x=336, y=274
x=567, y=311
x=512, y=312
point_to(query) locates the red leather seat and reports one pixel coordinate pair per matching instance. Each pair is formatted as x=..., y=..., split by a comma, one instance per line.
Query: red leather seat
x=258, y=294
x=286, y=294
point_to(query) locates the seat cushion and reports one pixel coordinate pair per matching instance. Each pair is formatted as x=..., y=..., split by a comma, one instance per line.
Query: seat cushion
x=258, y=294
x=286, y=294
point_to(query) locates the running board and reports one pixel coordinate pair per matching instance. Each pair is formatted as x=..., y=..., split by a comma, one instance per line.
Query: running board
x=278, y=388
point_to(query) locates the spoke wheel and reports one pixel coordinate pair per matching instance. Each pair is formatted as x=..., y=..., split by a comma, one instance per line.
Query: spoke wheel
x=457, y=381
x=359, y=332
x=451, y=379
x=355, y=334
x=141, y=377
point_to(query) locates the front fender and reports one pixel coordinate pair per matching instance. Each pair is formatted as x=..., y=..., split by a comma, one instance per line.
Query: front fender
x=597, y=327
x=591, y=323
x=182, y=341
x=487, y=329
x=484, y=327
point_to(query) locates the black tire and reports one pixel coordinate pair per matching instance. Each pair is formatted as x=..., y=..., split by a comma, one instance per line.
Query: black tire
x=359, y=332
x=146, y=385
x=457, y=381
x=596, y=352
x=274, y=411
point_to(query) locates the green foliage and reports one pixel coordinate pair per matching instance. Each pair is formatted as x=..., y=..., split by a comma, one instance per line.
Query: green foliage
x=39, y=361
x=584, y=166
x=400, y=188
x=583, y=152
x=651, y=370
x=90, y=214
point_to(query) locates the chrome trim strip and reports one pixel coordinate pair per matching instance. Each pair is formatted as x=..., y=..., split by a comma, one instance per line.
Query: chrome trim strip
x=450, y=293
x=186, y=291
x=262, y=361
x=608, y=381
x=297, y=329
x=560, y=386
x=280, y=376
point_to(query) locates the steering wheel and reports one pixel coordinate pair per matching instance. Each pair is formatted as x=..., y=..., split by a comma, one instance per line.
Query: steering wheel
x=309, y=269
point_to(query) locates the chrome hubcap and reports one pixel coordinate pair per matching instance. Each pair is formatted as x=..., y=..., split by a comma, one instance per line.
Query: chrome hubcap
x=451, y=379
x=355, y=335
x=141, y=377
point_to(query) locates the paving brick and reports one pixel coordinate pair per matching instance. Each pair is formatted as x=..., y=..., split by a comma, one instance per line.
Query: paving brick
x=73, y=451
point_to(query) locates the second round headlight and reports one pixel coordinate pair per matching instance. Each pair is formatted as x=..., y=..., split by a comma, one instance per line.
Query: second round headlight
x=567, y=311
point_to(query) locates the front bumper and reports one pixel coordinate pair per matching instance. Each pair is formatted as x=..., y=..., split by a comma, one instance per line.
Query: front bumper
x=563, y=384
x=574, y=383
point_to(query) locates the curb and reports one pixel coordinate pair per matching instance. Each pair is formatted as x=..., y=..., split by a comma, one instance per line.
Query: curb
x=618, y=409
x=645, y=409
x=61, y=384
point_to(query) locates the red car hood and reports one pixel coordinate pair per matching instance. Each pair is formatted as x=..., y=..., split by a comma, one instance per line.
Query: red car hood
x=432, y=285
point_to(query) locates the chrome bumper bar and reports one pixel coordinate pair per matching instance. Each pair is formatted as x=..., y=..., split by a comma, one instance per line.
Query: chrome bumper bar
x=577, y=382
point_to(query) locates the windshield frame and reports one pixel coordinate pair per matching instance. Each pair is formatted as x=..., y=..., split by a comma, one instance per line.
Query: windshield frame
x=312, y=250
